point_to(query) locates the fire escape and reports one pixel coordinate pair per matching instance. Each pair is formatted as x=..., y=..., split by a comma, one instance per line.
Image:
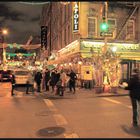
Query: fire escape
x=121, y=31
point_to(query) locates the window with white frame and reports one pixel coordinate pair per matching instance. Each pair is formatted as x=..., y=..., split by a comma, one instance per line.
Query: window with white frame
x=130, y=30
x=92, y=27
x=112, y=26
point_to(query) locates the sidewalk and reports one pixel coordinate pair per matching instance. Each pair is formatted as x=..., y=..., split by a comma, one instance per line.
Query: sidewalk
x=120, y=92
x=85, y=93
x=80, y=93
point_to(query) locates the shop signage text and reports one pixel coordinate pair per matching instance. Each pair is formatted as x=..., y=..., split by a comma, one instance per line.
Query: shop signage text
x=44, y=36
x=106, y=34
x=75, y=17
x=121, y=47
x=70, y=49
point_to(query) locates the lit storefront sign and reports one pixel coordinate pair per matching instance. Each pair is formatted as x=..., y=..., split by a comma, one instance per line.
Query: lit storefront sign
x=121, y=47
x=126, y=50
x=72, y=48
x=44, y=36
x=75, y=17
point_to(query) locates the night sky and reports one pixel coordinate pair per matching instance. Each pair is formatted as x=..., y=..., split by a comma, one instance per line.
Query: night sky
x=22, y=20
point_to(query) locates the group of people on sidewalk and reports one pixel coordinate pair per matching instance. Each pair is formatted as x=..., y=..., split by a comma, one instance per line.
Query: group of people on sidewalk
x=54, y=79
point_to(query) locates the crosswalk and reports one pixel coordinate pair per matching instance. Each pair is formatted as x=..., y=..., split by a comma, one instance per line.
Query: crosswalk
x=117, y=102
x=60, y=119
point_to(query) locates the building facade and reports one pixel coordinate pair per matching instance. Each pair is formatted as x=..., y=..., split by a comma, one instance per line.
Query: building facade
x=82, y=20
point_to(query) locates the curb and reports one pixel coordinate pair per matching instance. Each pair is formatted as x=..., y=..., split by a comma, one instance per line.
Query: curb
x=110, y=94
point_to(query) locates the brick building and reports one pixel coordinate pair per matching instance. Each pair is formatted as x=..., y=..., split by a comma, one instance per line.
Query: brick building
x=123, y=19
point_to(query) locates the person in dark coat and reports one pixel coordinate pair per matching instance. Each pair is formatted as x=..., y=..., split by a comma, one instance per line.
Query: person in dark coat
x=13, y=82
x=57, y=76
x=47, y=78
x=57, y=82
x=134, y=87
x=38, y=78
x=72, y=81
x=53, y=80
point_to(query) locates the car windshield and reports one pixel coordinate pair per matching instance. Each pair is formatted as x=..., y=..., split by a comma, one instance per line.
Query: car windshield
x=21, y=72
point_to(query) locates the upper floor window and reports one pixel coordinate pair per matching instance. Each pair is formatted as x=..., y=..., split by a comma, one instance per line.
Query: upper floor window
x=112, y=26
x=130, y=30
x=92, y=27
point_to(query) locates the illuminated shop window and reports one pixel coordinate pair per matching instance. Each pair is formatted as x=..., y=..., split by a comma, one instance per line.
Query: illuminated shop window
x=130, y=30
x=92, y=27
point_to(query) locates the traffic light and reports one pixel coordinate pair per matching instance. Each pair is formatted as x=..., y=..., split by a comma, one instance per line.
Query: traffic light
x=104, y=26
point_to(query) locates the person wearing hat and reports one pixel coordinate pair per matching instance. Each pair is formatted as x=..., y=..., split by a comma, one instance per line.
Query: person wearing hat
x=134, y=87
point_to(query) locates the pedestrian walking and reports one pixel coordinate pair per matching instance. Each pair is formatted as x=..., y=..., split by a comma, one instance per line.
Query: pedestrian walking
x=72, y=81
x=53, y=80
x=38, y=78
x=57, y=76
x=43, y=84
x=134, y=87
x=58, y=82
x=13, y=82
x=30, y=83
x=61, y=83
x=47, y=78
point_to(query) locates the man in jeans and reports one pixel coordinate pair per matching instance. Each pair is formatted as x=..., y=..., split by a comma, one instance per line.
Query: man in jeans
x=134, y=87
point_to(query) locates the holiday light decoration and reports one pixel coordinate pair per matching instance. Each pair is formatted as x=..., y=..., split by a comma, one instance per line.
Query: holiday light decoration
x=107, y=67
x=34, y=2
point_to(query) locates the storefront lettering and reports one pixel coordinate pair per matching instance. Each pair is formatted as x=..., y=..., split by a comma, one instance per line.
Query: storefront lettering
x=76, y=17
x=132, y=47
x=85, y=45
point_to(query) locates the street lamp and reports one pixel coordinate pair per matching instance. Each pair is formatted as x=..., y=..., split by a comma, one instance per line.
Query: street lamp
x=4, y=32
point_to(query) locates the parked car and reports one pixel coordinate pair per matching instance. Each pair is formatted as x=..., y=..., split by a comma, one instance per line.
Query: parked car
x=5, y=75
x=21, y=76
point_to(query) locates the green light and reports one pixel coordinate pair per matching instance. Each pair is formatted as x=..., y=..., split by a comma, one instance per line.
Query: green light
x=104, y=26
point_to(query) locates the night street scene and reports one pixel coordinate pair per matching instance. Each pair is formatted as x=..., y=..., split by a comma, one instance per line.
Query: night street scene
x=70, y=69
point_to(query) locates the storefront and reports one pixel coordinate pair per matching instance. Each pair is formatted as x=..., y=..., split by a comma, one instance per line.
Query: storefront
x=82, y=52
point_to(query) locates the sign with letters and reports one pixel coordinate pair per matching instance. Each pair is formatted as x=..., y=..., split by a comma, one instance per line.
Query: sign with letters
x=75, y=17
x=43, y=36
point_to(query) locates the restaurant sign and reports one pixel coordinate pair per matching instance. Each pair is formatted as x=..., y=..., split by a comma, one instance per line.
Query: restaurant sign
x=44, y=37
x=121, y=47
x=126, y=50
x=70, y=49
x=75, y=21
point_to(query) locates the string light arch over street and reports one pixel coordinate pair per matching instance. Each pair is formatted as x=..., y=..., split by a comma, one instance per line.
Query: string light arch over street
x=34, y=2
x=39, y=3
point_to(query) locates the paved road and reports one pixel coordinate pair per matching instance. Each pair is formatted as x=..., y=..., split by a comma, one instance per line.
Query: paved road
x=80, y=115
